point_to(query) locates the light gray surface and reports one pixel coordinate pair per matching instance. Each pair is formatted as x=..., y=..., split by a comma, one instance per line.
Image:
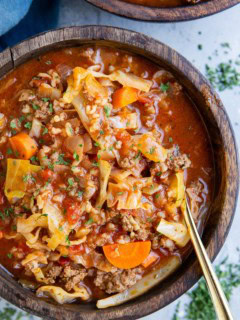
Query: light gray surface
x=184, y=37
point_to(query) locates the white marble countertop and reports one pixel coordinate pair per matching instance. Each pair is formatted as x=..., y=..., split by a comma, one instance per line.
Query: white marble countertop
x=185, y=37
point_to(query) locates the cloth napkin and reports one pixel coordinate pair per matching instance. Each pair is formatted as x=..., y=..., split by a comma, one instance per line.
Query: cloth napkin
x=21, y=19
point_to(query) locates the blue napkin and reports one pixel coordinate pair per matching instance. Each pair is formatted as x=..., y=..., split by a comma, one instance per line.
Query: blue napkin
x=25, y=18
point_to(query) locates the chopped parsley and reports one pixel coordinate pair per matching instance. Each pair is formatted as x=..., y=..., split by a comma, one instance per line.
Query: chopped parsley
x=80, y=193
x=34, y=159
x=28, y=177
x=51, y=166
x=200, y=306
x=170, y=139
x=45, y=99
x=80, y=145
x=75, y=156
x=51, y=107
x=67, y=240
x=101, y=132
x=90, y=221
x=120, y=193
x=9, y=151
x=61, y=160
x=13, y=124
x=95, y=164
x=35, y=106
x=158, y=173
x=2, y=216
x=70, y=182
x=165, y=86
x=137, y=155
x=224, y=76
x=28, y=125
x=9, y=255
x=14, y=227
x=107, y=111
x=97, y=144
x=45, y=131
x=48, y=62
x=21, y=119
x=152, y=150
x=200, y=46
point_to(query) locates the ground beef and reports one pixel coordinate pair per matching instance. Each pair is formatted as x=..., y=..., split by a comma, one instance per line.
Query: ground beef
x=137, y=229
x=176, y=160
x=72, y=275
x=117, y=281
x=53, y=273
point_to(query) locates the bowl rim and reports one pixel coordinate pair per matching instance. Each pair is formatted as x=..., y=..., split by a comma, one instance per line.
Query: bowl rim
x=174, y=14
x=147, y=303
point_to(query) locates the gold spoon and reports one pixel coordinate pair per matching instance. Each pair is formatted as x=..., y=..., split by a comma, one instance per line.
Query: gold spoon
x=218, y=297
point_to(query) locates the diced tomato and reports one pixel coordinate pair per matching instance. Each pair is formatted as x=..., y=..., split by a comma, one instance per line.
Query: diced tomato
x=72, y=210
x=126, y=140
x=64, y=261
x=144, y=99
x=77, y=249
x=47, y=174
x=23, y=247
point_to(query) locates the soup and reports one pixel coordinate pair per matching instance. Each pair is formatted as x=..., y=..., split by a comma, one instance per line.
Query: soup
x=163, y=3
x=97, y=148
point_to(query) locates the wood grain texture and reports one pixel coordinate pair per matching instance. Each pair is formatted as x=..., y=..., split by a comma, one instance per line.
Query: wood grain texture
x=226, y=162
x=6, y=62
x=182, y=13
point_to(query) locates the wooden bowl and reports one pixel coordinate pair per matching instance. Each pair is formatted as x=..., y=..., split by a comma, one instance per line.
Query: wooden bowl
x=182, y=13
x=225, y=155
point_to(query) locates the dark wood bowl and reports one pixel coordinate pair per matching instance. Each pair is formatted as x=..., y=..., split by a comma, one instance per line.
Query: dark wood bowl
x=182, y=13
x=225, y=155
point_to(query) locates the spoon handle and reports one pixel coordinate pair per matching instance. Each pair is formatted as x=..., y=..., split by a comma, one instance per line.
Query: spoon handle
x=218, y=297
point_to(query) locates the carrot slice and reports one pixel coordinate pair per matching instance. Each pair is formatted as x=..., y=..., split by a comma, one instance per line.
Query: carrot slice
x=128, y=255
x=152, y=257
x=24, y=145
x=124, y=96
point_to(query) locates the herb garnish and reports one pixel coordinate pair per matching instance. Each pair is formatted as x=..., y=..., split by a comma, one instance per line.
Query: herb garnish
x=90, y=221
x=28, y=125
x=107, y=111
x=45, y=131
x=9, y=151
x=75, y=156
x=35, y=106
x=95, y=164
x=61, y=159
x=224, y=76
x=200, y=306
x=67, y=241
x=152, y=150
x=70, y=182
x=45, y=99
x=165, y=86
